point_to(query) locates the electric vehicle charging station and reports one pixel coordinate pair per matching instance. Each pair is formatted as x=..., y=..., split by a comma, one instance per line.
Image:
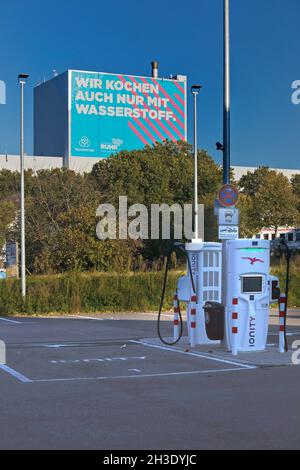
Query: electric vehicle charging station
x=228, y=288
x=247, y=294
x=205, y=260
x=227, y=284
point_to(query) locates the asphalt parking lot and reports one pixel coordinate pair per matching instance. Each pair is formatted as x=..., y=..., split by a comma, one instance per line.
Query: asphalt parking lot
x=98, y=383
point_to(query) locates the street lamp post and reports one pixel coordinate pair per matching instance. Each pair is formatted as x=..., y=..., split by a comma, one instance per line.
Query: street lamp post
x=195, y=91
x=22, y=78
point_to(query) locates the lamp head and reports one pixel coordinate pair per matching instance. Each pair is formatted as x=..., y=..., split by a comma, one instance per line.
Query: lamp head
x=22, y=77
x=196, y=88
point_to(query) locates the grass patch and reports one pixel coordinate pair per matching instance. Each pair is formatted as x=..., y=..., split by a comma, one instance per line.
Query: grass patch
x=107, y=292
x=294, y=286
x=87, y=292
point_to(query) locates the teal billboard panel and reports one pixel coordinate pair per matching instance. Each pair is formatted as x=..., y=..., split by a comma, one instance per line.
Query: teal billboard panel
x=112, y=112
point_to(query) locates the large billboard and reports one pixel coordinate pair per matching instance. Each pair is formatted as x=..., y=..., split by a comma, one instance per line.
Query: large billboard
x=112, y=112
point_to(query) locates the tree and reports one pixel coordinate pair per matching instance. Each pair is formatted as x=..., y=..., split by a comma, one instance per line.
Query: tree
x=78, y=249
x=160, y=174
x=249, y=225
x=50, y=194
x=250, y=183
x=10, y=183
x=296, y=187
x=7, y=216
x=61, y=207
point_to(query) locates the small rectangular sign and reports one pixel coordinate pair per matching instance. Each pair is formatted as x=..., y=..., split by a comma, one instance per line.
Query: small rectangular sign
x=12, y=261
x=228, y=232
x=228, y=216
x=11, y=254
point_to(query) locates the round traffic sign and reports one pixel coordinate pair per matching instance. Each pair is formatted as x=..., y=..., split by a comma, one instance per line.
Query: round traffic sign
x=228, y=195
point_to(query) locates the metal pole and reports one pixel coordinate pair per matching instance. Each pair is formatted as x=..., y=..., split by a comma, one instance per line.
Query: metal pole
x=226, y=119
x=154, y=66
x=196, y=228
x=195, y=90
x=22, y=195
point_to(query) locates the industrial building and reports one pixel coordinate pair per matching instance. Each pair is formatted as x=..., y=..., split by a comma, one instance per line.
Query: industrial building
x=81, y=117
x=82, y=165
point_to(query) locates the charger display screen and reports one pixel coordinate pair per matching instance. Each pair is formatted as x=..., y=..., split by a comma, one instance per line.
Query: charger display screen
x=252, y=284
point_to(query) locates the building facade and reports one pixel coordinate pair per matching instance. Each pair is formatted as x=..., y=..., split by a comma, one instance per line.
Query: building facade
x=290, y=234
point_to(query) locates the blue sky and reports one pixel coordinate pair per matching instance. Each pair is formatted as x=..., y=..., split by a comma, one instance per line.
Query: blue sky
x=186, y=38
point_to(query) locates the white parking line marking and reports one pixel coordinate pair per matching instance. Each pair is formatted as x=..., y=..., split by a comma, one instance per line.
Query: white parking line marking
x=10, y=321
x=97, y=360
x=85, y=317
x=195, y=354
x=169, y=315
x=15, y=373
x=163, y=374
x=239, y=366
x=70, y=317
x=295, y=333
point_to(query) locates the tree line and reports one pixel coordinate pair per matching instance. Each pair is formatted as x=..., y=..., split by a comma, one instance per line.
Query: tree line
x=61, y=207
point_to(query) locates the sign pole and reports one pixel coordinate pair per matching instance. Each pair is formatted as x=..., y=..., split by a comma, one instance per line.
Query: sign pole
x=195, y=166
x=226, y=118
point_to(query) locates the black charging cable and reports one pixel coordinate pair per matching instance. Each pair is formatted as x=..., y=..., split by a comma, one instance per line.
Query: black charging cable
x=288, y=258
x=176, y=247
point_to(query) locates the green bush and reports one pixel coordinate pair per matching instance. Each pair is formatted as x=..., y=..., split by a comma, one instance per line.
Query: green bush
x=294, y=286
x=87, y=292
